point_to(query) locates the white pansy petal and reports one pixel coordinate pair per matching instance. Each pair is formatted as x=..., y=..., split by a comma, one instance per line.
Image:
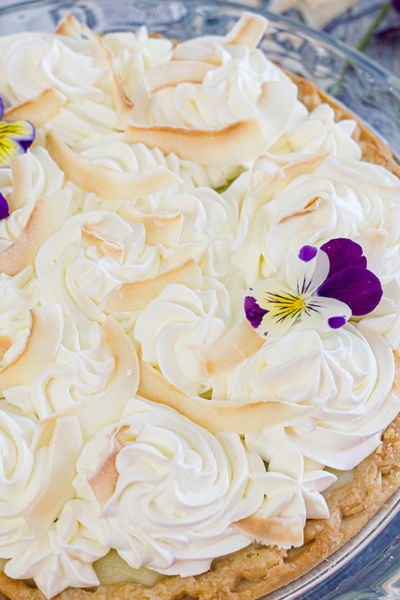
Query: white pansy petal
x=307, y=270
x=323, y=314
x=271, y=308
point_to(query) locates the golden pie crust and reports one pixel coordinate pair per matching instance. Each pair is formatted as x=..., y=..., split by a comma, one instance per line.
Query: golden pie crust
x=257, y=570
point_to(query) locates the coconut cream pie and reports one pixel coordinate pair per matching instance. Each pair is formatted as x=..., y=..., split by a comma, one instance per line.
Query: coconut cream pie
x=199, y=318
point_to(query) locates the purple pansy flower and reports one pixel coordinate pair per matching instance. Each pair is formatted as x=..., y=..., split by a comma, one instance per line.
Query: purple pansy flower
x=324, y=289
x=15, y=138
x=4, y=210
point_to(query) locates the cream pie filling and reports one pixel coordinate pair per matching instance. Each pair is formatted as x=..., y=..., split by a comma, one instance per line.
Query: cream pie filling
x=124, y=272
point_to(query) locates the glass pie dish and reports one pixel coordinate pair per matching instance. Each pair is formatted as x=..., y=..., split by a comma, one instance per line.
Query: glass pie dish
x=369, y=91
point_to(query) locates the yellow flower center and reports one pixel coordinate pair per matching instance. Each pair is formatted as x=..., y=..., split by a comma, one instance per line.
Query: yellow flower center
x=298, y=304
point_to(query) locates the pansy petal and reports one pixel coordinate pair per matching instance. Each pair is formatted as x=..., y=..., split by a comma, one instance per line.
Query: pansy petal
x=281, y=308
x=19, y=130
x=254, y=312
x=4, y=210
x=1, y=109
x=9, y=149
x=306, y=276
x=324, y=314
x=343, y=254
x=359, y=288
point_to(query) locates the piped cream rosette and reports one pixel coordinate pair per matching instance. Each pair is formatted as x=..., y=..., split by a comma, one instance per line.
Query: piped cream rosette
x=97, y=251
x=30, y=177
x=169, y=490
x=308, y=202
x=344, y=378
x=20, y=475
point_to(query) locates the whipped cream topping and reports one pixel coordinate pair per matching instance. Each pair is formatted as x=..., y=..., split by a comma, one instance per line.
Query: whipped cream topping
x=76, y=374
x=41, y=176
x=176, y=325
x=67, y=559
x=319, y=131
x=159, y=489
x=178, y=491
x=18, y=294
x=33, y=62
x=339, y=198
x=135, y=53
x=20, y=475
x=120, y=157
x=344, y=377
x=228, y=93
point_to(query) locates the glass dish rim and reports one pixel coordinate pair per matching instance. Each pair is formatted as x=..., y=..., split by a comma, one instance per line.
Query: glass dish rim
x=351, y=54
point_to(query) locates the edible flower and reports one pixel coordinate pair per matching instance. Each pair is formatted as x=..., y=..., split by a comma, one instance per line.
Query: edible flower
x=324, y=289
x=4, y=210
x=15, y=138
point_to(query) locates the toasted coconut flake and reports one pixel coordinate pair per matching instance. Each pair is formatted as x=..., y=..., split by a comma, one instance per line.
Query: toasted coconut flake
x=172, y=73
x=237, y=345
x=212, y=415
x=282, y=532
x=282, y=178
x=108, y=406
x=22, y=182
x=90, y=177
x=5, y=344
x=373, y=243
x=96, y=235
x=56, y=486
x=136, y=296
x=160, y=229
x=47, y=217
x=231, y=145
x=123, y=105
x=249, y=30
x=188, y=52
x=40, y=349
x=104, y=479
x=284, y=170
x=40, y=110
x=69, y=26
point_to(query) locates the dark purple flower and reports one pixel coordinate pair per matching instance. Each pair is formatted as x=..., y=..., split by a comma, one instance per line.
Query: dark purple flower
x=325, y=286
x=4, y=210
